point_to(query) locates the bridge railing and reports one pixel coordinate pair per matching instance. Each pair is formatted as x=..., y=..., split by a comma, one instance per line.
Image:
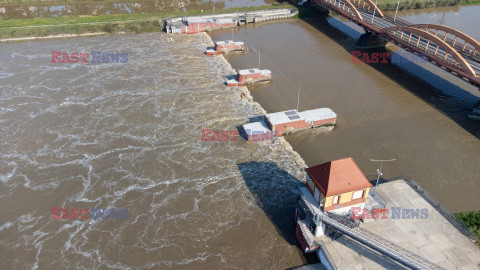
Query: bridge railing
x=397, y=19
x=380, y=244
x=362, y=4
x=334, y=3
x=424, y=45
x=462, y=47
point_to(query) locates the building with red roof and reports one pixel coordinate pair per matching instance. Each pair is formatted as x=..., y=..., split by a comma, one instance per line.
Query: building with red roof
x=338, y=185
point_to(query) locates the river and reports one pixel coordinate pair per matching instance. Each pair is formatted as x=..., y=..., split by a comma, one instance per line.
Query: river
x=128, y=136
x=415, y=113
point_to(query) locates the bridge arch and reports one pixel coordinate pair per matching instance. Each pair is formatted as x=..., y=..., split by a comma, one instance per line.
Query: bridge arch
x=352, y=7
x=457, y=34
x=439, y=42
x=371, y=5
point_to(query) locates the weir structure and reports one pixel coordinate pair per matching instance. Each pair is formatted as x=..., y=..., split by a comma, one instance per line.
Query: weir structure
x=337, y=195
x=311, y=213
x=445, y=47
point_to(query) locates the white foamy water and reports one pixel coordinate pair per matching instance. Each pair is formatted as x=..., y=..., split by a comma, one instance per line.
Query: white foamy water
x=129, y=136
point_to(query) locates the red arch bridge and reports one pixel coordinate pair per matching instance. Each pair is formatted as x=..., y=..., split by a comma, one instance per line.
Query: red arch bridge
x=446, y=47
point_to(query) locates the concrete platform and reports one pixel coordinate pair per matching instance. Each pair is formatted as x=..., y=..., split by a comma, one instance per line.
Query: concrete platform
x=433, y=237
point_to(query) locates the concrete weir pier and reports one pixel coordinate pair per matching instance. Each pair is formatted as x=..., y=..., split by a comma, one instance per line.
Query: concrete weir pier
x=369, y=40
x=279, y=123
x=195, y=24
x=394, y=239
x=227, y=47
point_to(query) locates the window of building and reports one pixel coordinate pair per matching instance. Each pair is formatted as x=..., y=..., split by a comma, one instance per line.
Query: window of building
x=336, y=199
x=357, y=194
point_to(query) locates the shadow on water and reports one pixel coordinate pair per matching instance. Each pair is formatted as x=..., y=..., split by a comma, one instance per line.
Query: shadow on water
x=275, y=191
x=456, y=106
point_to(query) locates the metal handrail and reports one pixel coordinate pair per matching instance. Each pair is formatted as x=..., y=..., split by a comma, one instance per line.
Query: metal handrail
x=380, y=244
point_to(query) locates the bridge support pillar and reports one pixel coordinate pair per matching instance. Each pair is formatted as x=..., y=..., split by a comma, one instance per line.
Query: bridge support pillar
x=369, y=40
x=318, y=7
x=319, y=229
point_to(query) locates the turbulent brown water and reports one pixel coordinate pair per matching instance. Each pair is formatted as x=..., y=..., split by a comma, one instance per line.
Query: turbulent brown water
x=415, y=113
x=128, y=135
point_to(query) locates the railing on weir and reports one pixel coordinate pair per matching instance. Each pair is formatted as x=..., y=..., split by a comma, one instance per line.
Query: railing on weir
x=452, y=218
x=378, y=243
x=345, y=219
x=398, y=249
x=371, y=240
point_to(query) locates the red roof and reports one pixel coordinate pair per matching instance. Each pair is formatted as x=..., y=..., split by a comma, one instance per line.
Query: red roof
x=338, y=176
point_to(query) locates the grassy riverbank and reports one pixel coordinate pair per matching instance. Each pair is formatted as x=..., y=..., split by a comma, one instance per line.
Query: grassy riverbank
x=129, y=23
x=472, y=220
x=143, y=23
x=470, y=2
x=417, y=4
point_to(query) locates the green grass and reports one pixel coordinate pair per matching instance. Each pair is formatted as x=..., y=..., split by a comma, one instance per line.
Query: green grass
x=122, y=17
x=470, y=2
x=416, y=4
x=141, y=23
x=62, y=2
x=130, y=23
x=472, y=220
x=143, y=26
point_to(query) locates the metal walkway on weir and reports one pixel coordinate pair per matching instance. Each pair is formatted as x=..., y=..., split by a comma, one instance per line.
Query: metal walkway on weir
x=378, y=243
x=367, y=238
x=445, y=47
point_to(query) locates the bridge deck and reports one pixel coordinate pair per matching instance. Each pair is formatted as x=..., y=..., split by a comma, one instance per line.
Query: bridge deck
x=366, y=18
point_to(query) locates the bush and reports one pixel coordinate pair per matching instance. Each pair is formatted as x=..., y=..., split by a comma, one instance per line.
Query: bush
x=472, y=220
x=130, y=27
x=109, y=27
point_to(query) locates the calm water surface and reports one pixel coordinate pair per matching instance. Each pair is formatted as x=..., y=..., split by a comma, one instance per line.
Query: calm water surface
x=415, y=113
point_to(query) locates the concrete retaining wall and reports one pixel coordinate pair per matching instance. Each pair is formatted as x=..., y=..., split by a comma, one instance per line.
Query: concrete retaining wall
x=174, y=25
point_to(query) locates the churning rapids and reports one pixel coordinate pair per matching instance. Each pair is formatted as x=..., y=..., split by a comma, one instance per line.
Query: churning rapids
x=128, y=136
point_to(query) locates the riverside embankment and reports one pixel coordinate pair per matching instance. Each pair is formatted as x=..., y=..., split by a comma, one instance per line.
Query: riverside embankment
x=107, y=24
x=54, y=19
